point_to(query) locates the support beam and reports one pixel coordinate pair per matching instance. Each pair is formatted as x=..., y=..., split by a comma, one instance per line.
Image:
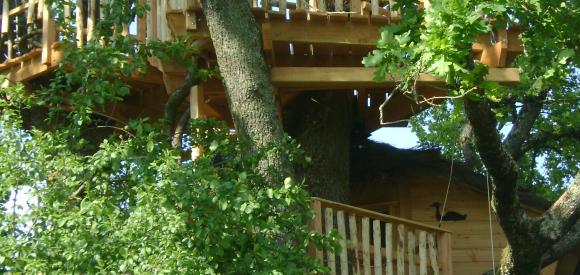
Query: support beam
x=357, y=77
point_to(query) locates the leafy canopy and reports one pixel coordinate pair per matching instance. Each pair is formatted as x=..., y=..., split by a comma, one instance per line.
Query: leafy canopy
x=129, y=202
x=438, y=41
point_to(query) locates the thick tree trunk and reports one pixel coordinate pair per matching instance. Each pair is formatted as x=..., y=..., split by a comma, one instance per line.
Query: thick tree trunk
x=238, y=47
x=321, y=123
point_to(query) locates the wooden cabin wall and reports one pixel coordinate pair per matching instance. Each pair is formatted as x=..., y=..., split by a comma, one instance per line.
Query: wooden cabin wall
x=410, y=195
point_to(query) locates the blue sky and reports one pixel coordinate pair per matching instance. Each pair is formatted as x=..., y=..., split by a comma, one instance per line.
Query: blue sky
x=401, y=137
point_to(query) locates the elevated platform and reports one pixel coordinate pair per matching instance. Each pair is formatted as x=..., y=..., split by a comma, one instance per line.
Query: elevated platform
x=311, y=45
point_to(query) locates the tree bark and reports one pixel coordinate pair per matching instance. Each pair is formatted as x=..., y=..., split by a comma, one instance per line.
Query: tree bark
x=238, y=46
x=321, y=123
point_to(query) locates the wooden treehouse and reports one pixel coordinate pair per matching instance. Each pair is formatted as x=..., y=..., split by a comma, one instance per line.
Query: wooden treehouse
x=309, y=45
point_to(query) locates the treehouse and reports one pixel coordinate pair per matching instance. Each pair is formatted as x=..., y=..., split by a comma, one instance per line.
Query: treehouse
x=309, y=45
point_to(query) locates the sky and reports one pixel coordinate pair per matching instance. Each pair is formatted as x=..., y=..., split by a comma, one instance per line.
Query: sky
x=400, y=137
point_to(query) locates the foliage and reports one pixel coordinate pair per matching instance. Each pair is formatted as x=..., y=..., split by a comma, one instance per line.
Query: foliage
x=439, y=42
x=135, y=204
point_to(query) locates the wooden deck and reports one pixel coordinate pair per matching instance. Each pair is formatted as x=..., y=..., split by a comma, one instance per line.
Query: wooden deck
x=312, y=45
x=375, y=243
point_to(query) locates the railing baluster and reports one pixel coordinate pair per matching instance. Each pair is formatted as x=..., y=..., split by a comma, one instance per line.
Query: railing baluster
x=377, y=247
x=433, y=254
x=389, y=247
x=320, y=6
x=375, y=7
x=352, y=226
x=80, y=23
x=48, y=34
x=366, y=246
x=5, y=18
x=422, y=253
x=30, y=16
x=282, y=6
x=401, y=250
x=329, y=224
x=342, y=233
x=338, y=5
x=91, y=19
x=444, y=247
x=411, y=251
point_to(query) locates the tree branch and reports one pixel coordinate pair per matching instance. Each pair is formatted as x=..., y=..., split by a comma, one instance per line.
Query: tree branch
x=566, y=244
x=465, y=140
x=501, y=167
x=563, y=215
x=524, y=122
x=181, y=126
x=175, y=100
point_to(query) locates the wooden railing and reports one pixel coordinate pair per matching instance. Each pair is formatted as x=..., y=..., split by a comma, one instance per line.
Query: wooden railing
x=362, y=7
x=375, y=243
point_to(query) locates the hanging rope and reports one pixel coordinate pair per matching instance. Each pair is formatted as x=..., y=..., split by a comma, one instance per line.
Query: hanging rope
x=446, y=193
x=490, y=225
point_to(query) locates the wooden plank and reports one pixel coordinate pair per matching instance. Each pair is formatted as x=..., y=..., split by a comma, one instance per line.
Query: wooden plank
x=422, y=252
x=142, y=24
x=30, y=13
x=352, y=226
x=342, y=233
x=316, y=225
x=92, y=19
x=366, y=246
x=80, y=23
x=389, y=247
x=357, y=77
x=152, y=20
x=401, y=250
x=48, y=34
x=377, y=247
x=329, y=225
x=433, y=254
x=316, y=33
x=444, y=249
x=411, y=252
x=5, y=19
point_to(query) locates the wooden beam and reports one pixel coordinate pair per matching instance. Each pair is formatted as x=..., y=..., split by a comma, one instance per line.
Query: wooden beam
x=357, y=77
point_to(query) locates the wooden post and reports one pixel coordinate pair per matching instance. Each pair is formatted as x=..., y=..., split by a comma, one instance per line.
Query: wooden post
x=411, y=251
x=377, y=247
x=316, y=225
x=91, y=19
x=48, y=34
x=342, y=233
x=282, y=6
x=30, y=15
x=375, y=7
x=354, y=239
x=5, y=17
x=422, y=252
x=444, y=248
x=142, y=24
x=321, y=6
x=329, y=224
x=152, y=20
x=433, y=254
x=39, y=9
x=338, y=5
x=366, y=246
x=401, y=250
x=80, y=24
x=389, y=247
x=356, y=6
x=196, y=110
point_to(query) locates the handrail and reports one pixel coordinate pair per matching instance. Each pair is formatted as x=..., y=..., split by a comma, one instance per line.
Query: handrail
x=375, y=242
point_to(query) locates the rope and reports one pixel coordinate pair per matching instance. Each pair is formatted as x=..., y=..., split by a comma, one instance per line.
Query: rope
x=490, y=225
x=446, y=194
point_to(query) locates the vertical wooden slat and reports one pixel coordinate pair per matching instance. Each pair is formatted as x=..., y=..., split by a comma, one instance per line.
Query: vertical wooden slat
x=91, y=19
x=5, y=18
x=411, y=252
x=142, y=24
x=321, y=5
x=48, y=34
x=39, y=9
x=444, y=247
x=329, y=224
x=152, y=20
x=366, y=246
x=356, y=6
x=433, y=254
x=401, y=250
x=282, y=6
x=354, y=239
x=67, y=12
x=30, y=13
x=196, y=111
x=80, y=23
x=375, y=7
x=393, y=12
x=338, y=5
x=342, y=234
x=422, y=252
x=316, y=224
x=389, y=247
x=377, y=247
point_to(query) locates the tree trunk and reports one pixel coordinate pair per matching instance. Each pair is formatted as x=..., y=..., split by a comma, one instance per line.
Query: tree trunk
x=238, y=46
x=321, y=123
